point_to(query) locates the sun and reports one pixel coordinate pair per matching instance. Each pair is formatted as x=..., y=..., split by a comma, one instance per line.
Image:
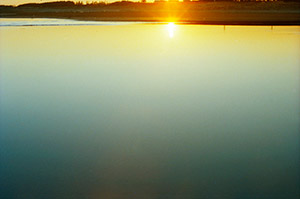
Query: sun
x=171, y=27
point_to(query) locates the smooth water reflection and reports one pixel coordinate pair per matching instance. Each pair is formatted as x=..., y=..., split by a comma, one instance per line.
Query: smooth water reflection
x=136, y=112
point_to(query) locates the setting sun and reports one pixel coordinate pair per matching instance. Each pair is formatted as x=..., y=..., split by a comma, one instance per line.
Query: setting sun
x=149, y=99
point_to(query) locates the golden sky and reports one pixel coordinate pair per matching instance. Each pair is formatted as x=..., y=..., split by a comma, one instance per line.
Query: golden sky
x=18, y=2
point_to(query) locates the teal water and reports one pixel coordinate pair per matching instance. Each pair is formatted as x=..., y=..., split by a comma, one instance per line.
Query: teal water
x=149, y=111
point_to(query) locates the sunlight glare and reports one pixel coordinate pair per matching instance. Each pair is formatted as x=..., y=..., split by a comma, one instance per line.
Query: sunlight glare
x=171, y=28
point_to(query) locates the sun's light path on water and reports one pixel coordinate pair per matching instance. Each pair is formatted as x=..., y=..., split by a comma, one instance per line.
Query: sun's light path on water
x=171, y=29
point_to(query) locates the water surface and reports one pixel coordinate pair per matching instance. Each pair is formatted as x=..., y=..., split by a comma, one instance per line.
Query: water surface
x=148, y=110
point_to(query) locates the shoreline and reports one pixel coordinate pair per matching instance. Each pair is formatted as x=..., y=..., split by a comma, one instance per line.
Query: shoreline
x=212, y=13
x=196, y=22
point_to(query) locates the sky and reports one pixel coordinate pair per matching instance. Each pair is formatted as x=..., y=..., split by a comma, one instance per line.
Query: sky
x=18, y=2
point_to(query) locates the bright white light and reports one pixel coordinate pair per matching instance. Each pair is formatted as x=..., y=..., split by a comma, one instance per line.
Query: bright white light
x=171, y=28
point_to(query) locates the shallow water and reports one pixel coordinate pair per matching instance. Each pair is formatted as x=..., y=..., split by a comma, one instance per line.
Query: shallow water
x=56, y=22
x=120, y=110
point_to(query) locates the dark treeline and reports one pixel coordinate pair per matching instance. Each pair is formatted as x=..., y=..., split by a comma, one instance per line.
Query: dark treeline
x=234, y=12
x=69, y=4
x=123, y=4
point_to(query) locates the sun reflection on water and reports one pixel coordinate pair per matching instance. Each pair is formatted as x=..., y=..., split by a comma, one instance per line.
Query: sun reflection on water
x=171, y=29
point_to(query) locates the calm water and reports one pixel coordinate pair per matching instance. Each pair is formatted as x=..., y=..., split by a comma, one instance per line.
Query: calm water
x=126, y=110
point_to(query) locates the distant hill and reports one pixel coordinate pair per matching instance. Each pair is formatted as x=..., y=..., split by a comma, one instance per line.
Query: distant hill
x=202, y=12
